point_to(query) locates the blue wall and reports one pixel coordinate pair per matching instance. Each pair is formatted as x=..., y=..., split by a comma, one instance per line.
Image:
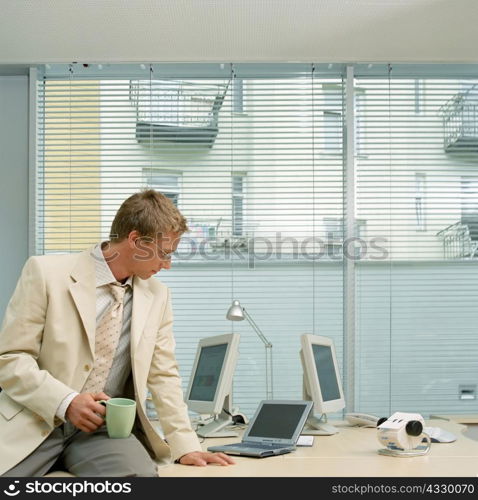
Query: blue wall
x=14, y=99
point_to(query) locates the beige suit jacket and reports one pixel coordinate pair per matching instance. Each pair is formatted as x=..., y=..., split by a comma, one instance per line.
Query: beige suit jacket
x=47, y=344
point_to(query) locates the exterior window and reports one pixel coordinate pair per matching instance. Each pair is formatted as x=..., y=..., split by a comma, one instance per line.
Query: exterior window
x=167, y=184
x=469, y=205
x=469, y=197
x=419, y=97
x=360, y=121
x=238, y=95
x=332, y=113
x=238, y=205
x=420, y=202
x=333, y=131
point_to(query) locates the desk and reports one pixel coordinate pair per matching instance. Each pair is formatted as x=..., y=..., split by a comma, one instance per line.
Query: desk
x=352, y=452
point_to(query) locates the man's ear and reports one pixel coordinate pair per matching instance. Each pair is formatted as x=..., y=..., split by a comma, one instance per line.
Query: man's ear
x=133, y=238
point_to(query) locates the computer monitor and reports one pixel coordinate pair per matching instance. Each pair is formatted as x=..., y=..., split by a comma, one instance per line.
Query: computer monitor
x=210, y=385
x=321, y=383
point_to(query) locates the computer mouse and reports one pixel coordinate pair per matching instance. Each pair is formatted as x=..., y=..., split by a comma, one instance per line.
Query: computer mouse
x=239, y=418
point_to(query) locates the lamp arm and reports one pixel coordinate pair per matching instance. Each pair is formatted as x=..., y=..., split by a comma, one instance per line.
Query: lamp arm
x=256, y=328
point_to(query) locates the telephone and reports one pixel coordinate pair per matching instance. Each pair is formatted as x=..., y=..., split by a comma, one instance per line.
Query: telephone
x=362, y=419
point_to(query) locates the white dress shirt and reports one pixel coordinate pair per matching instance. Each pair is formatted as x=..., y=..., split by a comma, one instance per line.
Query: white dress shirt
x=121, y=366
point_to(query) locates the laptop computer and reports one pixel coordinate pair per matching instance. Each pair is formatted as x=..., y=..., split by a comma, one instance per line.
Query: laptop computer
x=273, y=430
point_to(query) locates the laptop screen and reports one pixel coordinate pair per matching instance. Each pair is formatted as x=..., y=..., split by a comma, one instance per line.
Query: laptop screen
x=277, y=421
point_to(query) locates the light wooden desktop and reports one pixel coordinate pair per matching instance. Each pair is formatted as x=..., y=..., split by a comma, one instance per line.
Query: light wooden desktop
x=352, y=452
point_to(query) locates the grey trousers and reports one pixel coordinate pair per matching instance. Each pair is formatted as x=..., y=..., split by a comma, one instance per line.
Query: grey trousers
x=86, y=455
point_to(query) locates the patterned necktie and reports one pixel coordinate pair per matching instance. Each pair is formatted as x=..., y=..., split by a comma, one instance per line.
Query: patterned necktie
x=106, y=341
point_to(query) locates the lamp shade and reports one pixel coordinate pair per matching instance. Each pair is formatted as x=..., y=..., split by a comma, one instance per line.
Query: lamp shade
x=235, y=312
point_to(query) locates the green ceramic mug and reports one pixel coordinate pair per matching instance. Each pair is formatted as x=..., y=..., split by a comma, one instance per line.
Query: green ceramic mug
x=120, y=416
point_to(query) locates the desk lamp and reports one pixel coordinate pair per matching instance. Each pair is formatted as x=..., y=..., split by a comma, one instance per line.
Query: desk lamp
x=238, y=313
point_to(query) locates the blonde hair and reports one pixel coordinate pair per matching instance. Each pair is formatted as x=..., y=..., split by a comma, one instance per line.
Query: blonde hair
x=148, y=212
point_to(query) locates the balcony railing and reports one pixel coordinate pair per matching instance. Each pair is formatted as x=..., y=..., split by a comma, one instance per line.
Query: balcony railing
x=457, y=242
x=460, y=122
x=218, y=233
x=177, y=111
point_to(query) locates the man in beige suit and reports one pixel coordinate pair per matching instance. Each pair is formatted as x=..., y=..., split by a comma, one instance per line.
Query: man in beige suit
x=51, y=378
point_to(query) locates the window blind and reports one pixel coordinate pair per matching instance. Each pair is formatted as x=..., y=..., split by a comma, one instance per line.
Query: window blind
x=416, y=168
x=253, y=157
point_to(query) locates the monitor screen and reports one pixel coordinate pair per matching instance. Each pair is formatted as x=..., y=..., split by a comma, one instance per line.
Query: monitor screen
x=324, y=364
x=209, y=391
x=208, y=371
x=322, y=383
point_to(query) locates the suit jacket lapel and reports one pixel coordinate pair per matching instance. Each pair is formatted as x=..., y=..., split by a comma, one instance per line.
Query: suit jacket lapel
x=83, y=291
x=142, y=302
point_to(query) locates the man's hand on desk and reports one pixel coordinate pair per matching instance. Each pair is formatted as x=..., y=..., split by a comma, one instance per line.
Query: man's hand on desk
x=203, y=458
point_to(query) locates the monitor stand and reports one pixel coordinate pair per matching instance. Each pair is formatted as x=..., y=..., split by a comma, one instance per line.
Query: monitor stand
x=216, y=428
x=318, y=427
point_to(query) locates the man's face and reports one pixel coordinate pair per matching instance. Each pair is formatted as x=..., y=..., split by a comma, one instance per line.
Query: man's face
x=153, y=254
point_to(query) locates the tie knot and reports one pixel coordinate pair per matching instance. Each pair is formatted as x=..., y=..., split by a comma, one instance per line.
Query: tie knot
x=118, y=291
